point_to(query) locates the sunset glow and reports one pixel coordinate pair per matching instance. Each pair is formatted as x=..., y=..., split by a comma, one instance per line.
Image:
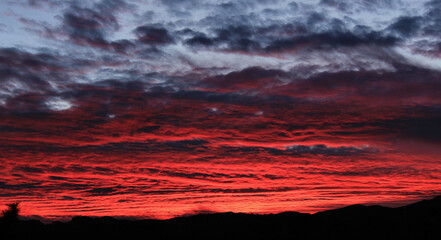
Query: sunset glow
x=157, y=109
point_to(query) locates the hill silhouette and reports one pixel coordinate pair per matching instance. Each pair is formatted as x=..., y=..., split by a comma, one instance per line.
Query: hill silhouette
x=421, y=220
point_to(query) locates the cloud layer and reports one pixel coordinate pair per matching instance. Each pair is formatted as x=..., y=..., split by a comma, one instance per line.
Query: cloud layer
x=117, y=107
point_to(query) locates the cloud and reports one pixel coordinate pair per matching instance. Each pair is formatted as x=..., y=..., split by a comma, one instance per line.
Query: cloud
x=254, y=190
x=209, y=176
x=406, y=26
x=187, y=144
x=331, y=39
x=255, y=78
x=427, y=128
x=86, y=26
x=58, y=178
x=226, y=104
x=153, y=35
x=58, y=104
x=332, y=151
x=310, y=34
x=102, y=191
x=44, y=3
x=377, y=172
x=18, y=189
x=92, y=25
x=22, y=70
x=200, y=40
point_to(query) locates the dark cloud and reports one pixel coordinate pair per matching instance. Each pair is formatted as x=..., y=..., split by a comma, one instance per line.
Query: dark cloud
x=68, y=198
x=92, y=25
x=76, y=168
x=31, y=70
x=331, y=39
x=86, y=26
x=187, y=144
x=197, y=175
x=153, y=35
x=149, y=129
x=5, y=128
x=45, y=3
x=409, y=82
x=121, y=46
x=301, y=150
x=341, y=5
x=254, y=190
x=249, y=78
x=427, y=128
x=236, y=38
x=29, y=169
x=58, y=178
x=103, y=191
x=233, y=98
x=20, y=186
x=30, y=79
x=330, y=151
x=406, y=26
x=428, y=25
x=377, y=171
x=200, y=40
x=309, y=34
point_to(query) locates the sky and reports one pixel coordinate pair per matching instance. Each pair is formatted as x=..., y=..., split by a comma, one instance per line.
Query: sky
x=156, y=109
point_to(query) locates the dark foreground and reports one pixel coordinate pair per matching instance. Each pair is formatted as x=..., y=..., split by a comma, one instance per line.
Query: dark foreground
x=421, y=220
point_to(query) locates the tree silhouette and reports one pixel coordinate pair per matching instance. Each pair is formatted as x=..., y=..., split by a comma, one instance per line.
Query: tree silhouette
x=11, y=214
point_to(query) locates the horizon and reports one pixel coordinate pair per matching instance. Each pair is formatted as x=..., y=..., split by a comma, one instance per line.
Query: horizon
x=66, y=219
x=157, y=109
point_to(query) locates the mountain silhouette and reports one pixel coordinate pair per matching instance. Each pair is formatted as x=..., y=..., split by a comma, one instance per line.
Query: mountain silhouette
x=420, y=220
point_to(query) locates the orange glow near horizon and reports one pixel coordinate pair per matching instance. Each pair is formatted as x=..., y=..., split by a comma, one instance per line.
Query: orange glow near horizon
x=169, y=185
x=151, y=165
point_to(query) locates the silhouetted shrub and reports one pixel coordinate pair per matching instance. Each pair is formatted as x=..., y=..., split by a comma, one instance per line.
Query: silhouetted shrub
x=11, y=214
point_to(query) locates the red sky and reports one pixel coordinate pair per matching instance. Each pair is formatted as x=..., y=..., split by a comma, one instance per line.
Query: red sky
x=118, y=108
